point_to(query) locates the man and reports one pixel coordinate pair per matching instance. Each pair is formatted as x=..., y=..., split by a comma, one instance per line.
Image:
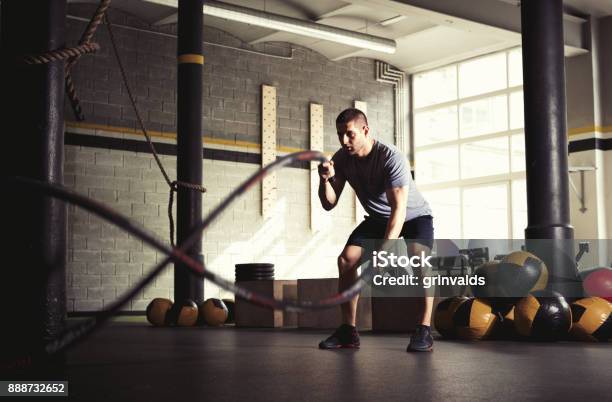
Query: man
x=381, y=179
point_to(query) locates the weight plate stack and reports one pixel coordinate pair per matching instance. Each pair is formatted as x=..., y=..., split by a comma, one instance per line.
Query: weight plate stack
x=254, y=272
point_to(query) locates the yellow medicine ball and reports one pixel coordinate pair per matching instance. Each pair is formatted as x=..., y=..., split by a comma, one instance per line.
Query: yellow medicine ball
x=591, y=319
x=443, y=317
x=474, y=319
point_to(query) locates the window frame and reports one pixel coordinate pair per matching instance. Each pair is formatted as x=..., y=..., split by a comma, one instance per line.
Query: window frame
x=462, y=183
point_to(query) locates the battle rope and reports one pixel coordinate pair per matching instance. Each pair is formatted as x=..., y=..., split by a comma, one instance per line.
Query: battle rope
x=71, y=55
x=73, y=335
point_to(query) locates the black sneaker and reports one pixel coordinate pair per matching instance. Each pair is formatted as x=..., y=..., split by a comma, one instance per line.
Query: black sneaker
x=421, y=340
x=345, y=336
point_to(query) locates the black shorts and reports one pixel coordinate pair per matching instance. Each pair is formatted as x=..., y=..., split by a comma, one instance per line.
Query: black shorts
x=418, y=230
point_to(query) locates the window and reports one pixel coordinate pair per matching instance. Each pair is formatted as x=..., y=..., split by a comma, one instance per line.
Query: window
x=484, y=116
x=482, y=75
x=470, y=147
x=485, y=211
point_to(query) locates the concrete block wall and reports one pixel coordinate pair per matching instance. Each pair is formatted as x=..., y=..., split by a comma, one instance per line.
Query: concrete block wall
x=103, y=261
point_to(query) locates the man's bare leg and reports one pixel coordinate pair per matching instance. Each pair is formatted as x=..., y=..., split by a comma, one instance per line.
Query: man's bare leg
x=346, y=336
x=424, y=317
x=348, y=261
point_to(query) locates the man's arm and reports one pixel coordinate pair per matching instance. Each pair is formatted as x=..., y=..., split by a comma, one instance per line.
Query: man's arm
x=398, y=198
x=329, y=191
x=330, y=185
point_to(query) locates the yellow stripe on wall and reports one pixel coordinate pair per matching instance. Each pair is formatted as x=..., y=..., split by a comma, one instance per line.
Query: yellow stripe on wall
x=190, y=58
x=589, y=129
x=172, y=135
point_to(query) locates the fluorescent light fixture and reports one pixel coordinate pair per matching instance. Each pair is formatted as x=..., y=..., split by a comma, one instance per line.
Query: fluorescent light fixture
x=297, y=26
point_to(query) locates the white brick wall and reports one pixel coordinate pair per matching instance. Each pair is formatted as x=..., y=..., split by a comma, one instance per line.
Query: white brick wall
x=104, y=261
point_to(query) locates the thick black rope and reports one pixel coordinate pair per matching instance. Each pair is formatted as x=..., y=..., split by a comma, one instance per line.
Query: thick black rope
x=178, y=255
x=172, y=184
x=71, y=55
x=61, y=54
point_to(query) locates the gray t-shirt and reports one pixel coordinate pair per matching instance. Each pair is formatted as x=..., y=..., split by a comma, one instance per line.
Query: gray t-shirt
x=385, y=167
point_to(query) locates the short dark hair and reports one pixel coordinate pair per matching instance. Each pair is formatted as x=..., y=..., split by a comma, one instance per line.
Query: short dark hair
x=351, y=114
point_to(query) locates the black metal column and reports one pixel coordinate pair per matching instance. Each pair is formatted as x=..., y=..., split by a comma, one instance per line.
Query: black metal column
x=189, y=140
x=545, y=132
x=33, y=274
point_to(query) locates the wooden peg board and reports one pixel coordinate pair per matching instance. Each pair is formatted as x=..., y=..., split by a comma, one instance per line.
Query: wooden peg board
x=268, y=148
x=359, y=211
x=317, y=217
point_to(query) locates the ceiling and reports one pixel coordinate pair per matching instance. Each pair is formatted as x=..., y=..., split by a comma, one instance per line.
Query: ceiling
x=430, y=33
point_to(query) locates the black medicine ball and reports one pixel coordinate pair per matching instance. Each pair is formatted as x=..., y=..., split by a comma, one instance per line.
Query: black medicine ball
x=490, y=291
x=520, y=273
x=543, y=315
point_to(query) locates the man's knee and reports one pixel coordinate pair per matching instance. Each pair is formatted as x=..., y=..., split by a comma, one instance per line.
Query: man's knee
x=347, y=264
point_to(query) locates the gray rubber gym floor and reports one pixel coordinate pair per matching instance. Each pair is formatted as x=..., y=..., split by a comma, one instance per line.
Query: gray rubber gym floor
x=131, y=361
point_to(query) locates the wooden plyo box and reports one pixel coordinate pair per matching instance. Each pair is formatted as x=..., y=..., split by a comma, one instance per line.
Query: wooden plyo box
x=250, y=315
x=317, y=289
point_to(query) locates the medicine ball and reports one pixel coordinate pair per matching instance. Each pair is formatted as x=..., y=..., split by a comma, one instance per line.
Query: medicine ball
x=183, y=314
x=504, y=327
x=520, y=273
x=490, y=290
x=443, y=317
x=230, y=304
x=488, y=271
x=509, y=316
x=598, y=282
x=213, y=312
x=591, y=319
x=157, y=310
x=543, y=315
x=474, y=319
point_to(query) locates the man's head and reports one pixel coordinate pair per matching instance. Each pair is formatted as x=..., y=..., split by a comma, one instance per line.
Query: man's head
x=352, y=128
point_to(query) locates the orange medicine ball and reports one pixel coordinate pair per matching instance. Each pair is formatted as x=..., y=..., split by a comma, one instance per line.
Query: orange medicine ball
x=184, y=314
x=214, y=312
x=157, y=310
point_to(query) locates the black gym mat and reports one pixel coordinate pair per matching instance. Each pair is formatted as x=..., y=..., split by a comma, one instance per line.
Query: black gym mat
x=133, y=361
